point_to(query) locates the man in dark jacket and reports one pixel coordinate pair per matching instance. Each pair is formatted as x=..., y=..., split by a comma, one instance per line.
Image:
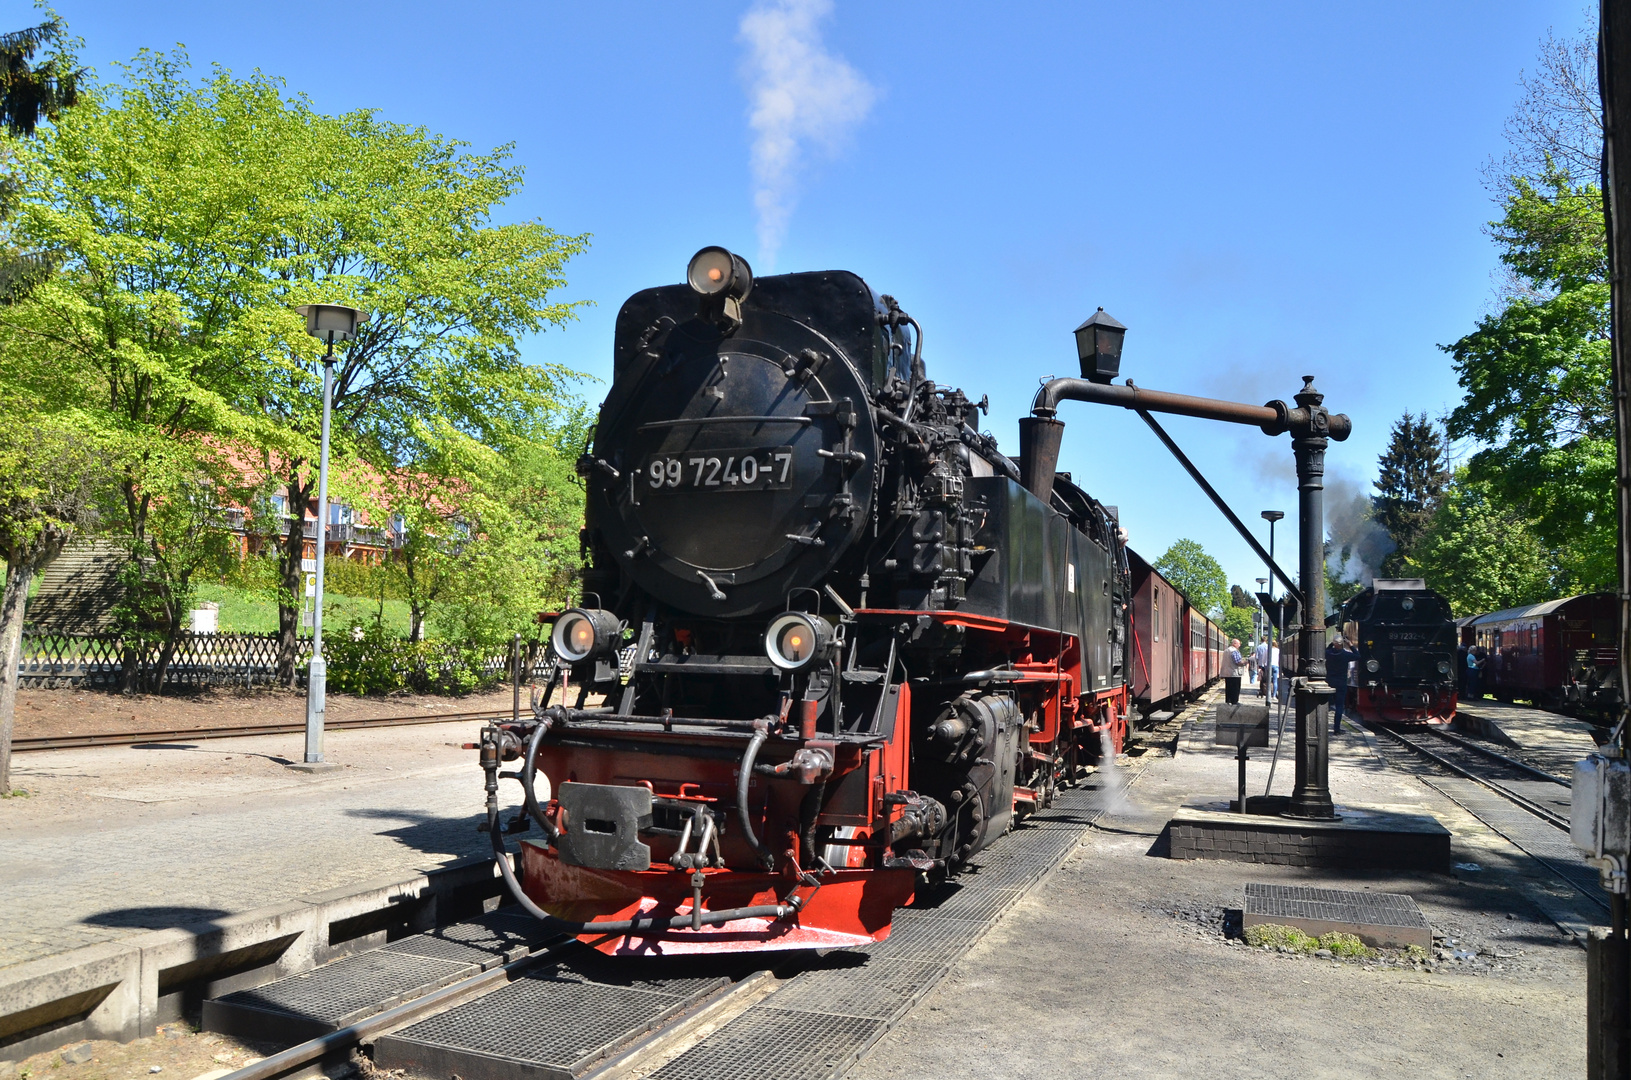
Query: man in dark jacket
x=1339, y=657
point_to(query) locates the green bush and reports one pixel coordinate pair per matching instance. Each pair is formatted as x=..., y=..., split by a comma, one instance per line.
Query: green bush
x=367, y=658
x=1272, y=935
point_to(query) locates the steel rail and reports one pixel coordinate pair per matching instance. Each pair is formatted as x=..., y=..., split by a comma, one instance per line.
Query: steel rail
x=1533, y=807
x=68, y=742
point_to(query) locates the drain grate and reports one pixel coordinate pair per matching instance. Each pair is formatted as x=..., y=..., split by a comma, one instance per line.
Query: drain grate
x=486, y=942
x=541, y=1025
x=778, y=1043
x=330, y=997
x=1385, y=919
x=880, y=989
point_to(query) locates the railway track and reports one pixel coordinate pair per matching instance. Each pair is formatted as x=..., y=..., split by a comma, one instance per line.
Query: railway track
x=138, y=738
x=1527, y=805
x=1537, y=791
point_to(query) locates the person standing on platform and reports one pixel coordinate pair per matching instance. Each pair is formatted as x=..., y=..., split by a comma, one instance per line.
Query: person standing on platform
x=1260, y=660
x=1339, y=657
x=1232, y=663
x=1474, y=687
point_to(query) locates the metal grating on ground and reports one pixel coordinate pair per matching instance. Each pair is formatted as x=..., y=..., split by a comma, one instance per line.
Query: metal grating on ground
x=968, y=902
x=882, y=990
x=765, y=1043
x=922, y=935
x=348, y=989
x=486, y=942
x=551, y=1026
x=1333, y=905
x=1545, y=842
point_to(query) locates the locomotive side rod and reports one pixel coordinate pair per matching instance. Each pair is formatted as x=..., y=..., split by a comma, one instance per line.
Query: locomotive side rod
x=1312, y=427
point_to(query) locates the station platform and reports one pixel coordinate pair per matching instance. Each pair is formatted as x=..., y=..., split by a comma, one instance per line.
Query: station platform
x=1549, y=740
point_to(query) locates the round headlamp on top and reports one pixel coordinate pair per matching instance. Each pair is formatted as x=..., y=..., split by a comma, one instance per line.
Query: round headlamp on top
x=796, y=640
x=585, y=633
x=713, y=271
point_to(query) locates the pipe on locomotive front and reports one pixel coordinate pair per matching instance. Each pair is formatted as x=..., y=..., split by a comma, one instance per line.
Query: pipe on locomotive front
x=501, y=855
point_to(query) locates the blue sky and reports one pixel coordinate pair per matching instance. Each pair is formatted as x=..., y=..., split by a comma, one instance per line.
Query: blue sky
x=1258, y=191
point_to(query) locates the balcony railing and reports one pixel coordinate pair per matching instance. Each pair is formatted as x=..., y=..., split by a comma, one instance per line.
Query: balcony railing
x=371, y=537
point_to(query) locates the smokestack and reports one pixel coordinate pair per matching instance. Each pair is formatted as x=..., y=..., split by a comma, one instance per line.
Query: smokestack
x=1039, y=439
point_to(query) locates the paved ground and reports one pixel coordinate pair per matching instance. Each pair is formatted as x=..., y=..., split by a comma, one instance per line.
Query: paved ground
x=1118, y=964
x=115, y=841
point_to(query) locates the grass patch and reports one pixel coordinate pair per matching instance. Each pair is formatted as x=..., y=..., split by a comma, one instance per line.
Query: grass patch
x=1275, y=936
x=14, y=793
x=244, y=613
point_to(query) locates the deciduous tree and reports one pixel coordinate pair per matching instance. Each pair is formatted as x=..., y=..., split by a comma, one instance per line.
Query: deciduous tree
x=1481, y=555
x=1197, y=575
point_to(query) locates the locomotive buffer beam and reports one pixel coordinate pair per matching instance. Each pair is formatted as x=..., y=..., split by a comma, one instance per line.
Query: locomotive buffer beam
x=1311, y=427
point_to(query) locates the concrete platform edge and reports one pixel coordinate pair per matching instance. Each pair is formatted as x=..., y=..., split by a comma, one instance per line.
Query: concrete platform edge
x=124, y=990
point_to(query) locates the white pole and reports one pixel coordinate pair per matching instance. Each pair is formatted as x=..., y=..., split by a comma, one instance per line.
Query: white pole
x=317, y=673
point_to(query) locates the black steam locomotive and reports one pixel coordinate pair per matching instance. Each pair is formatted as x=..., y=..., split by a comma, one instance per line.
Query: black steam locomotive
x=1407, y=651
x=835, y=639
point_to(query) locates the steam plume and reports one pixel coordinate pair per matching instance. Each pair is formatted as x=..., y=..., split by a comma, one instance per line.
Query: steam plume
x=1358, y=542
x=801, y=94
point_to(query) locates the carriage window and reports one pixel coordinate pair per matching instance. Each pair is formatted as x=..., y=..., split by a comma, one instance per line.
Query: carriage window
x=1155, y=614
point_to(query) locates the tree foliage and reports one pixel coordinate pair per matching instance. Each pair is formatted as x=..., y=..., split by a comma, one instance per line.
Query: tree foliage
x=1481, y=555
x=31, y=92
x=1197, y=575
x=1411, y=478
x=190, y=219
x=1535, y=376
x=1237, y=623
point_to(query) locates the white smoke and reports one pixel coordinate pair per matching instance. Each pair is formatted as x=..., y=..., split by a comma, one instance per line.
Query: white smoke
x=801, y=94
x=1358, y=541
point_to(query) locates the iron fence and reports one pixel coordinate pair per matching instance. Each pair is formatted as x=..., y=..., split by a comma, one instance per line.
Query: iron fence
x=57, y=661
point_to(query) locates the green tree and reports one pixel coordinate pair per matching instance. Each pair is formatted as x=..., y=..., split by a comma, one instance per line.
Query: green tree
x=31, y=92
x=1481, y=555
x=1197, y=575
x=192, y=218
x=1237, y=623
x=1411, y=478
x=50, y=476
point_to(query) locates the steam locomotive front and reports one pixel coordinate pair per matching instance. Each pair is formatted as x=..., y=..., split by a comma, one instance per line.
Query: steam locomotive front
x=734, y=458
x=1407, y=652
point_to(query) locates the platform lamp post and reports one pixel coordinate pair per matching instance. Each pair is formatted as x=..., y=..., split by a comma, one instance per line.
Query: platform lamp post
x=328, y=323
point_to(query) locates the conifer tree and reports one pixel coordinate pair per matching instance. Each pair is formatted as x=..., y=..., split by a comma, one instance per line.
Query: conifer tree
x=1410, y=483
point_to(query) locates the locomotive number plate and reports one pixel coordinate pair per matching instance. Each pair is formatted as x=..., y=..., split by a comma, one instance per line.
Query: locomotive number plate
x=755, y=468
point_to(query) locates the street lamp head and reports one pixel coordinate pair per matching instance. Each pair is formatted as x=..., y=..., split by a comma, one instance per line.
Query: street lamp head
x=1273, y=515
x=324, y=320
x=1262, y=581
x=1098, y=347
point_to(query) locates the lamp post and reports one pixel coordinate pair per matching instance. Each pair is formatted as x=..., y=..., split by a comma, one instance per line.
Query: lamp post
x=330, y=323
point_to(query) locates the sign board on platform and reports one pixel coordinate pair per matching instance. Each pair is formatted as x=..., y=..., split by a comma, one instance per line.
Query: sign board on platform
x=311, y=585
x=1243, y=725
x=308, y=566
